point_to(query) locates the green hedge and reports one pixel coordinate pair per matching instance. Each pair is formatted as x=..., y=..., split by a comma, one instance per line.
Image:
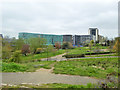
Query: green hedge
x=94, y=53
x=83, y=55
x=74, y=55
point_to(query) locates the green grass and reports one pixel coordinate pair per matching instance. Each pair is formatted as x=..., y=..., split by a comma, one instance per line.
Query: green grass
x=101, y=55
x=13, y=67
x=26, y=67
x=32, y=66
x=39, y=56
x=79, y=50
x=55, y=85
x=93, y=67
x=83, y=50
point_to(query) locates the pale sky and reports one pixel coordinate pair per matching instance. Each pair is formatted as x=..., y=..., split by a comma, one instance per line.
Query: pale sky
x=59, y=17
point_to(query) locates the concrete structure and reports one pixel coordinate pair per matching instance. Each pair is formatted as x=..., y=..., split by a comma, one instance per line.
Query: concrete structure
x=94, y=32
x=82, y=39
x=68, y=38
x=51, y=39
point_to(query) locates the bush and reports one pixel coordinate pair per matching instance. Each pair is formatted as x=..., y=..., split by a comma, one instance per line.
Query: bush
x=39, y=50
x=67, y=45
x=25, y=49
x=97, y=53
x=74, y=55
x=15, y=57
x=57, y=45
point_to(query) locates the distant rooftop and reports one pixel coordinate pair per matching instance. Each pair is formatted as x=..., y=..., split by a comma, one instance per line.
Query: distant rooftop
x=93, y=28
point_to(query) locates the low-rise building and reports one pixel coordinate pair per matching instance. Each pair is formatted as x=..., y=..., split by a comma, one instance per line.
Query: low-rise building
x=82, y=39
x=68, y=38
x=50, y=38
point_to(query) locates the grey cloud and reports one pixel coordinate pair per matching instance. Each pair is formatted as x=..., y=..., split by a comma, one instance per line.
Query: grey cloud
x=59, y=18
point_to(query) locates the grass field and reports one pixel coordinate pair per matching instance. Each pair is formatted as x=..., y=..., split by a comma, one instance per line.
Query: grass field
x=39, y=56
x=93, y=67
x=83, y=50
x=26, y=67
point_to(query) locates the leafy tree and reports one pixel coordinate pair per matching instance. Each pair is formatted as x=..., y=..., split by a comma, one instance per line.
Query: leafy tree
x=50, y=48
x=91, y=44
x=97, y=49
x=19, y=43
x=25, y=49
x=57, y=45
x=16, y=57
x=6, y=49
x=36, y=43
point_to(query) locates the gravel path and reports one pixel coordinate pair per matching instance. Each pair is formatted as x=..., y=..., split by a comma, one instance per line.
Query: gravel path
x=55, y=58
x=43, y=77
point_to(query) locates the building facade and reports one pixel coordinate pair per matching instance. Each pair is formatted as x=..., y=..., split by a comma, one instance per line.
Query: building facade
x=82, y=39
x=68, y=38
x=51, y=39
x=94, y=32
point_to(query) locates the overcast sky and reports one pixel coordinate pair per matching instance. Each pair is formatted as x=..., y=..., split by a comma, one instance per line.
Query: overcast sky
x=59, y=17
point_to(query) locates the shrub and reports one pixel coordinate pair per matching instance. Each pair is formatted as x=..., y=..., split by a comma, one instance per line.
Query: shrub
x=67, y=45
x=15, y=57
x=73, y=55
x=25, y=49
x=57, y=45
x=39, y=50
x=97, y=53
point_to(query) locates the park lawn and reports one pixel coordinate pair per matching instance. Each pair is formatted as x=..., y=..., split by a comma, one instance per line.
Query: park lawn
x=33, y=66
x=26, y=67
x=54, y=85
x=79, y=50
x=101, y=47
x=39, y=56
x=92, y=67
x=84, y=50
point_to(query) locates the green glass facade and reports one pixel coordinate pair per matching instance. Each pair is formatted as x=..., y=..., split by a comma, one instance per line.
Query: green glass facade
x=51, y=39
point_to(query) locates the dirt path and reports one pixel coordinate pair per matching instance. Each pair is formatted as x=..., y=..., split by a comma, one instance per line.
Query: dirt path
x=43, y=76
x=55, y=58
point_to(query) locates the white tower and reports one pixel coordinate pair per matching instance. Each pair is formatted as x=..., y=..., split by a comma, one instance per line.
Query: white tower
x=94, y=32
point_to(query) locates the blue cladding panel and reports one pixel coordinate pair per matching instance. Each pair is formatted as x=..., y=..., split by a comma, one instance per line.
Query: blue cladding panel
x=51, y=39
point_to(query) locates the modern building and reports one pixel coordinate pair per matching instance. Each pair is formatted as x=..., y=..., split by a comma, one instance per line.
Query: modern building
x=82, y=39
x=68, y=38
x=51, y=39
x=94, y=32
